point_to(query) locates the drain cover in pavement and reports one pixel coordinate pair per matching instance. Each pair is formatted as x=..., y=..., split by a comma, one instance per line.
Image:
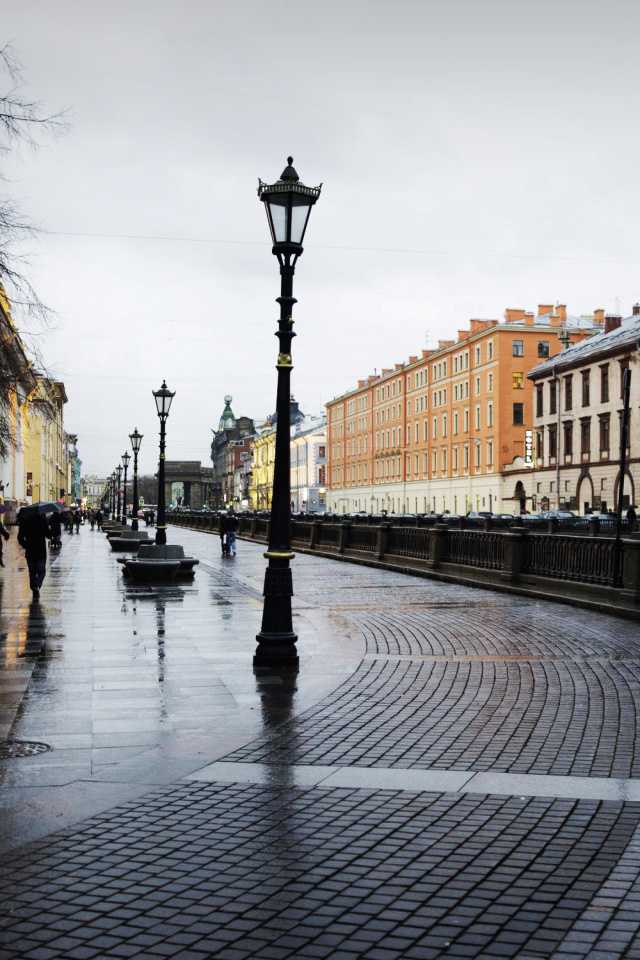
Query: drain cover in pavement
x=21, y=748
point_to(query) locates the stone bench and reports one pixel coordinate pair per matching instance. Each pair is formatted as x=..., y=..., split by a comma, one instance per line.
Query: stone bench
x=129, y=540
x=155, y=553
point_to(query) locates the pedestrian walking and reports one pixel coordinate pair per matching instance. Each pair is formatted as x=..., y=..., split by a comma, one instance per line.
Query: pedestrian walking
x=99, y=519
x=632, y=520
x=55, y=525
x=228, y=528
x=33, y=533
x=77, y=518
x=5, y=533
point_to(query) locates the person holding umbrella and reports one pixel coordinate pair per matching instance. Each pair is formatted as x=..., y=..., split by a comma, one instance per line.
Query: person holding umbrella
x=33, y=533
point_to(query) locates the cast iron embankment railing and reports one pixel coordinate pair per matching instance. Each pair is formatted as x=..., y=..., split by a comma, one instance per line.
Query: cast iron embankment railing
x=408, y=542
x=363, y=537
x=474, y=549
x=580, y=559
x=514, y=555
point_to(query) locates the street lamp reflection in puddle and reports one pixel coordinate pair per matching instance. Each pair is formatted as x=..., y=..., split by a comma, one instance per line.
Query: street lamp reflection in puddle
x=276, y=689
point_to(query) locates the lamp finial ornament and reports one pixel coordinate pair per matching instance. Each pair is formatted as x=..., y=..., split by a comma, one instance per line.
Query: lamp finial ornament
x=289, y=174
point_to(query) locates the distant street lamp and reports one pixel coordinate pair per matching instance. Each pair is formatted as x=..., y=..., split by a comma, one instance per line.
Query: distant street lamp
x=288, y=206
x=119, y=479
x=125, y=459
x=113, y=496
x=136, y=440
x=163, y=398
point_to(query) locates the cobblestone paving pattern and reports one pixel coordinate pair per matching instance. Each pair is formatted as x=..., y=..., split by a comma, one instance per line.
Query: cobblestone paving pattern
x=242, y=871
x=556, y=717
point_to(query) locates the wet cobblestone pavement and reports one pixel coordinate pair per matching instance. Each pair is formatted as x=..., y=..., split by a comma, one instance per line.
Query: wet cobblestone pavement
x=452, y=774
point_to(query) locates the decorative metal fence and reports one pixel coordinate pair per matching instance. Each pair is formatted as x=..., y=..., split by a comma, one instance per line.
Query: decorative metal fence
x=472, y=548
x=581, y=559
x=363, y=537
x=300, y=531
x=409, y=542
x=329, y=534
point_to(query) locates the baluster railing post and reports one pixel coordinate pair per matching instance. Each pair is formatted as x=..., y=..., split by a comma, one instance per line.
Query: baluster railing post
x=315, y=533
x=552, y=525
x=343, y=536
x=382, y=539
x=631, y=570
x=513, y=553
x=437, y=543
x=594, y=526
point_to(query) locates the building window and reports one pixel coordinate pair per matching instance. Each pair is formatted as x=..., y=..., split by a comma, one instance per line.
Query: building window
x=465, y=460
x=322, y=451
x=443, y=458
x=539, y=447
x=455, y=422
x=489, y=454
x=444, y=424
x=539, y=401
x=490, y=414
x=518, y=381
x=478, y=451
x=604, y=435
x=478, y=417
x=604, y=384
x=552, y=397
x=518, y=414
x=585, y=437
x=585, y=389
x=543, y=348
x=490, y=350
x=553, y=443
x=489, y=382
x=518, y=348
x=568, y=393
x=455, y=458
x=477, y=386
x=435, y=428
x=434, y=461
x=568, y=439
x=477, y=355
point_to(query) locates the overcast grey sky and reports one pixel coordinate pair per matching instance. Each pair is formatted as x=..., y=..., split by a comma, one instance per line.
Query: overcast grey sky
x=475, y=156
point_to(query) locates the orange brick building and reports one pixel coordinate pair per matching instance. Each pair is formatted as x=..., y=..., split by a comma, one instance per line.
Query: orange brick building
x=437, y=432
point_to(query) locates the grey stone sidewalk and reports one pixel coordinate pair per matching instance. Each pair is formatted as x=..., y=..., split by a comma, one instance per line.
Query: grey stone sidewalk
x=453, y=773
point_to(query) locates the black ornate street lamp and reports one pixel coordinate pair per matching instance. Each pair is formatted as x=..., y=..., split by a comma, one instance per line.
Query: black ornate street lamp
x=113, y=496
x=125, y=459
x=163, y=398
x=136, y=440
x=119, y=480
x=288, y=205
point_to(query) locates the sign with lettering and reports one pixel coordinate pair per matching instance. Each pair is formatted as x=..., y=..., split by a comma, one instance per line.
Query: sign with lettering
x=528, y=446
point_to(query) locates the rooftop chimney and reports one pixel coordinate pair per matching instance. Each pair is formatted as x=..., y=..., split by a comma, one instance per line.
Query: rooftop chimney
x=636, y=309
x=611, y=322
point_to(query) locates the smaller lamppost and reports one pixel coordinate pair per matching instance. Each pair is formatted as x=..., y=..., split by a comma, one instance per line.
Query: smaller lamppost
x=163, y=398
x=136, y=440
x=113, y=496
x=125, y=459
x=119, y=482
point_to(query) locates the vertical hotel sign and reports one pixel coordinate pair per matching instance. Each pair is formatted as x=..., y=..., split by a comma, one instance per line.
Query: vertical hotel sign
x=528, y=447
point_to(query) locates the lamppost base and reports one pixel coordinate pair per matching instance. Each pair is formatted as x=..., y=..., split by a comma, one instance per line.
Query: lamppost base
x=276, y=650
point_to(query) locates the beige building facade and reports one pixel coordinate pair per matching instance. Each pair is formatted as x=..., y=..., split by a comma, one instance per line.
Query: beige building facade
x=577, y=401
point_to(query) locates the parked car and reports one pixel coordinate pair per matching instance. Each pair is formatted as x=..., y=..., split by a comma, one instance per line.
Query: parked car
x=478, y=514
x=558, y=515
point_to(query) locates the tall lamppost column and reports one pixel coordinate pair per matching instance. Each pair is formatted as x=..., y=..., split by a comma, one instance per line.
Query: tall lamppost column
x=125, y=459
x=163, y=398
x=136, y=440
x=288, y=206
x=119, y=481
x=113, y=496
